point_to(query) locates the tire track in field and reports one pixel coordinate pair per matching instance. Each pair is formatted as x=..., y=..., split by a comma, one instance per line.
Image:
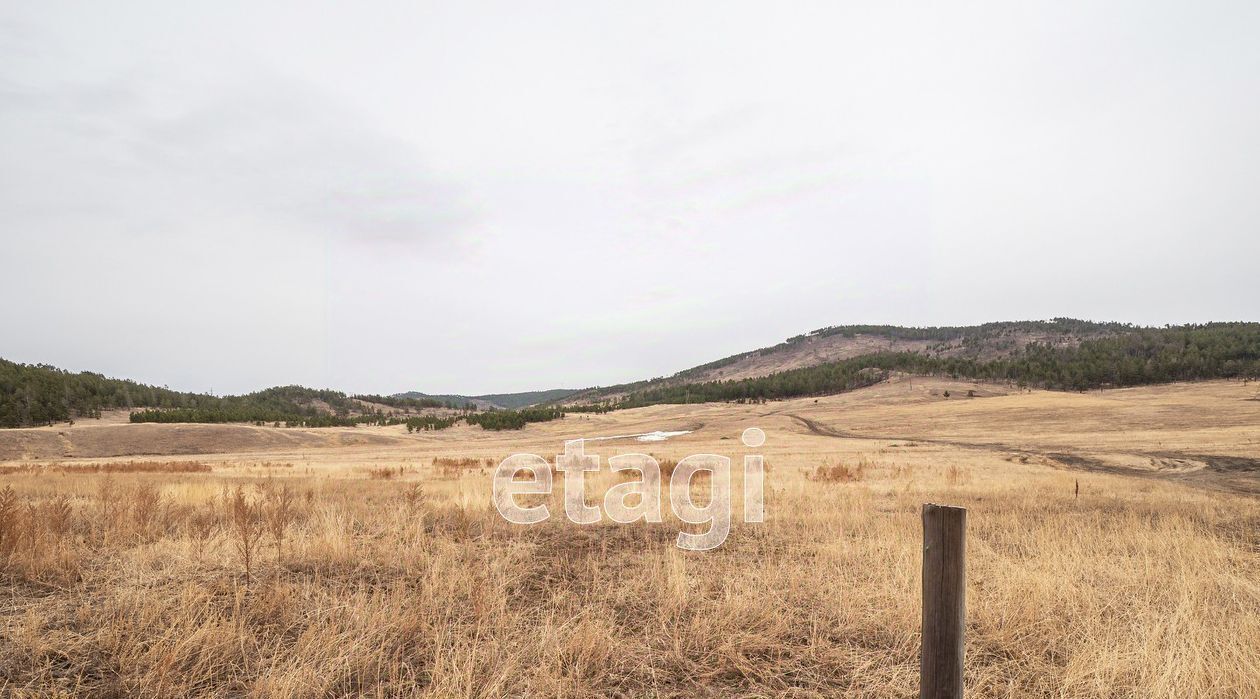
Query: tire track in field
x=1234, y=474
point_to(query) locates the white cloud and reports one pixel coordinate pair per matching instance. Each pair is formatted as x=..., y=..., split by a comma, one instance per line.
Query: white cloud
x=492, y=196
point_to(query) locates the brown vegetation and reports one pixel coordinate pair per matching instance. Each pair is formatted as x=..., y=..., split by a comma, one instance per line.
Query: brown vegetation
x=454, y=467
x=837, y=473
x=316, y=581
x=112, y=467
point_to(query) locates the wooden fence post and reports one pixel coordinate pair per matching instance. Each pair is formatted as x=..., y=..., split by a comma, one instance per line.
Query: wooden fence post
x=944, y=601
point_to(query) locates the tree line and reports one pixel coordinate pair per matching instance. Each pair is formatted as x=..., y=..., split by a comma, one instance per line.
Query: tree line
x=404, y=403
x=38, y=394
x=512, y=419
x=966, y=333
x=431, y=422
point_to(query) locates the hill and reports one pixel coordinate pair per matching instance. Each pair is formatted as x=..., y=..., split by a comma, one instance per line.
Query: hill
x=836, y=343
x=1062, y=353
x=38, y=394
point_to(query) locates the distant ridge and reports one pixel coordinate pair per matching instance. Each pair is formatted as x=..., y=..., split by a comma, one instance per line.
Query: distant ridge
x=1060, y=354
x=840, y=342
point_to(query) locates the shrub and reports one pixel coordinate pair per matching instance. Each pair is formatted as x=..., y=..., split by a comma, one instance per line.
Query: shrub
x=279, y=514
x=202, y=524
x=450, y=467
x=838, y=473
x=10, y=523
x=246, y=529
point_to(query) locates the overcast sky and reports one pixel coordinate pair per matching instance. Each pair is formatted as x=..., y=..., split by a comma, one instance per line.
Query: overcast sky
x=475, y=197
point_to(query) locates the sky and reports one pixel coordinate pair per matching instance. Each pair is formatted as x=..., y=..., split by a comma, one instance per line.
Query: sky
x=475, y=197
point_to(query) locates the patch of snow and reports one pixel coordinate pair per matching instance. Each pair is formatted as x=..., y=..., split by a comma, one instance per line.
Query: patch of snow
x=657, y=436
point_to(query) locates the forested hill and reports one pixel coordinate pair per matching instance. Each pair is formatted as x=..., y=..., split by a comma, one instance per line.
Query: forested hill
x=1062, y=354
x=39, y=394
x=837, y=343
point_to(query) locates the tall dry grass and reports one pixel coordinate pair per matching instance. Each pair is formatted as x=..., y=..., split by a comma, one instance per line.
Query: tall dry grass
x=111, y=467
x=212, y=584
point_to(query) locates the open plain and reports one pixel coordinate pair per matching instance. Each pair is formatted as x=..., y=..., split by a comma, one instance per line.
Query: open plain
x=1113, y=551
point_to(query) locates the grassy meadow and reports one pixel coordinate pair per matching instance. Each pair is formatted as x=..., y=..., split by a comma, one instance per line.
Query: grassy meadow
x=380, y=568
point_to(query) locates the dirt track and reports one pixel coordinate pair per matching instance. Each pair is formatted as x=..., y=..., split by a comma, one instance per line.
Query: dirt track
x=1237, y=474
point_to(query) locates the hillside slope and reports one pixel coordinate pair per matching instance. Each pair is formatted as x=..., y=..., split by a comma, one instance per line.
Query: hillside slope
x=836, y=343
x=89, y=440
x=1062, y=354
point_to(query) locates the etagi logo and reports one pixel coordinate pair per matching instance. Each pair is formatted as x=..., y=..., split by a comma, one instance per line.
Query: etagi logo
x=575, y=463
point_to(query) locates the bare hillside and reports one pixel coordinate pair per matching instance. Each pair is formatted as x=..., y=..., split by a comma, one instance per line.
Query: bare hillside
x=832, y=344
x=109, y=440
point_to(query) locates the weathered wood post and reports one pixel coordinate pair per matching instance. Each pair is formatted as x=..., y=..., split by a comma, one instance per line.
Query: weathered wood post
x=944, y=601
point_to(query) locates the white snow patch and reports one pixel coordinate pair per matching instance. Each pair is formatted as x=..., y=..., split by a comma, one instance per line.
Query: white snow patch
x=657, y=436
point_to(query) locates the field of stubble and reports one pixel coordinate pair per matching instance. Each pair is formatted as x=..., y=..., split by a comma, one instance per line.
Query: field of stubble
x=378, y=567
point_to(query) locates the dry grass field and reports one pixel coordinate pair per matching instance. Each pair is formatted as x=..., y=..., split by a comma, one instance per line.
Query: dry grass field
x=189, y=560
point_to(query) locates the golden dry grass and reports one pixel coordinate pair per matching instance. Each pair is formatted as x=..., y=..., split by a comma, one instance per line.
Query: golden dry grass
x=134, y=584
